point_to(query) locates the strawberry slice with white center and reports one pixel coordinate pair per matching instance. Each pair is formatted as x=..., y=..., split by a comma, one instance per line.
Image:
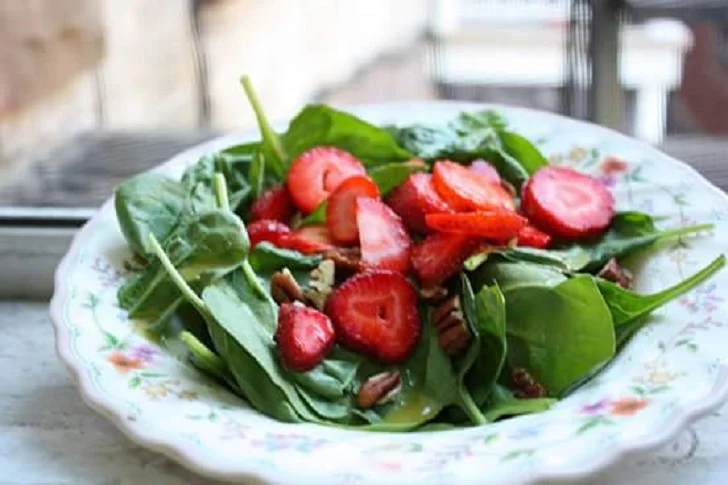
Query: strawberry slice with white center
x=567, y=204
x=341, y=207
x=316, y=173
x=384, y=241
x=466, y=190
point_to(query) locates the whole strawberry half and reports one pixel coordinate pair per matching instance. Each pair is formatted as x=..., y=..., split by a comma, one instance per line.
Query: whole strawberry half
x=375, y=313
x=304, y=336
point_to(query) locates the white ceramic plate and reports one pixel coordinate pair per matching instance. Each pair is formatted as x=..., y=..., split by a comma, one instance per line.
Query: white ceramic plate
x=671, y=373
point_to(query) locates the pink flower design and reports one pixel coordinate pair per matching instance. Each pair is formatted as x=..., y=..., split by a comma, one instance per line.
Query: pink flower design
x=594, y=408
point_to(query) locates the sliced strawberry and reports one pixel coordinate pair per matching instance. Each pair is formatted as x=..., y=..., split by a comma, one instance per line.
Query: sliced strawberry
x=531, y=237
x=341, y=207
x=307, y=240
x=440, y=256
x=384, y=241
x=375, y=313
x=266, y=230
x=415, y=198
x=274, y=204
x=485, y=169
x=304, y=336
x=317, y=172
x=465, y=190
x=568, y=204
x=497, y=224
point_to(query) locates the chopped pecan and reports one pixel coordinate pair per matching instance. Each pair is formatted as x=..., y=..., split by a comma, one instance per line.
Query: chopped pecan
x=527, y=387
x=321, y=284
x=613, y=271
x=454, y=335
x=379, y=389
x=284, y=288
x=345, y=259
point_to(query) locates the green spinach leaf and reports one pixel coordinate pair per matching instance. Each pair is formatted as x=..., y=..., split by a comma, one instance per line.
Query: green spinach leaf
x=471, y=136
x=626, y=306
x=389, y=176
x=628, y=233
x=558, y=333
x=212, y=244
x=198, y=179
x=523, y=150
x=148, y=203
x=511, y=276
x=482, y=363
x=319, y=125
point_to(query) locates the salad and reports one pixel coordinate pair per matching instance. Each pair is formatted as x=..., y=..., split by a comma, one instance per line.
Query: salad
x=389, y=278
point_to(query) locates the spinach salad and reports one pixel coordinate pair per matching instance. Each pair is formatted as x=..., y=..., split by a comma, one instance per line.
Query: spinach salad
x=389, y=278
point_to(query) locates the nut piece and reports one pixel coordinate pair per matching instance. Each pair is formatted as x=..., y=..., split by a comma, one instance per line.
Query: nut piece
x=526, y=386
x=379, y=389
x=448, y=319
x=345, y=259
x=284, y=288
x=321, y=284
x=613, y=271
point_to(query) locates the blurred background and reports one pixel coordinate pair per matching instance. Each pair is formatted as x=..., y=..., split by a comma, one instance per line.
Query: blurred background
x=92, y=91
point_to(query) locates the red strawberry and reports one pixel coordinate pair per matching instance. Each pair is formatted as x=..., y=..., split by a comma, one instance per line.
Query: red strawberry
x=497, y=224
x=384, y=241
x=568, y=204
x=375, y=313
x=414, y=198
x=316, y=173
x=440, y=256
x=532, y=237
x=273, y=204
x=341, y=207
x=304, y=336
x=465, y=190
x=485, y=169
x=266, y=230
x=307, y=240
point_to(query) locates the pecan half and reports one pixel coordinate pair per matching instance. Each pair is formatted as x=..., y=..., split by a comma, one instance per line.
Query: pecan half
x=379, y=389
x=321, y=284
x=527, y=387
x=613, y=271
x=284, y=288
x=345, y=259
x=449, y=321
